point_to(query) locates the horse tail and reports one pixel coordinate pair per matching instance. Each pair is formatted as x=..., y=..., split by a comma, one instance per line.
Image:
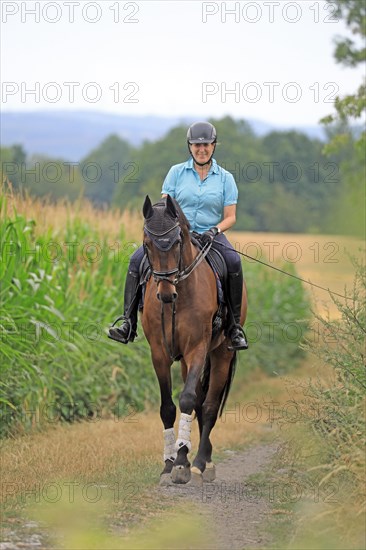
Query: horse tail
x=230, y=378
x=205, y=380
x=205, y=377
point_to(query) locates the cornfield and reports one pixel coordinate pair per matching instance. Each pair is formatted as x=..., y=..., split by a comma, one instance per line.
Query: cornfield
x=62, y=271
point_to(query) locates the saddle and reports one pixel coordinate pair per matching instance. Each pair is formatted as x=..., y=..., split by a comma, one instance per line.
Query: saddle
x=218, y=265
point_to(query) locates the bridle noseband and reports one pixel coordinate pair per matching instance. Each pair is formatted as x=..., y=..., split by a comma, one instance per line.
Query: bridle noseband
x=181, y=273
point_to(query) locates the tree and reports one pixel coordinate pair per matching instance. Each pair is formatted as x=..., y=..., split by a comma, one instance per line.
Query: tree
x=150, y=166
x=104, y=167
x=349, y=206
x=12, y=160
x=350, y=53
x=52, y=178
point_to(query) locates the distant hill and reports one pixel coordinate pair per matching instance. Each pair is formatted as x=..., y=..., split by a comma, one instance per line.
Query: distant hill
x=71, y=135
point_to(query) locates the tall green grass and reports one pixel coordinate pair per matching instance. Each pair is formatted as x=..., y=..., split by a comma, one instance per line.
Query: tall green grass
x=58, y=296
x=278, y=318
x=61, y=288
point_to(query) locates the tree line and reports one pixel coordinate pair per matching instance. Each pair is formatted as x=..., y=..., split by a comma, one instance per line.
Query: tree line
x=286, y=183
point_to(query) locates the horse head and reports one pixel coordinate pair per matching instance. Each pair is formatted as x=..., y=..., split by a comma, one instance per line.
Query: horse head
x=163, y=242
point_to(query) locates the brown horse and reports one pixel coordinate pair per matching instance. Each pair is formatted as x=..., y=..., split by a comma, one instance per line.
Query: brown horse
x=179, y=307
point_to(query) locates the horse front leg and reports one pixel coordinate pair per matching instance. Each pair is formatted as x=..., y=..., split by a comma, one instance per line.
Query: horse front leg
x=167, y=415
x=181, y=472
x=208, y=469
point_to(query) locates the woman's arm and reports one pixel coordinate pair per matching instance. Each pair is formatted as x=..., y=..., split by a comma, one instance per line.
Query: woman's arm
x=229, y=218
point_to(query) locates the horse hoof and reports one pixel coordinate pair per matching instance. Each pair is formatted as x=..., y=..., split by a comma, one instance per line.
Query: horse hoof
x=210, y=472
x=181, y=474
x=165, y=479
x=196, y=477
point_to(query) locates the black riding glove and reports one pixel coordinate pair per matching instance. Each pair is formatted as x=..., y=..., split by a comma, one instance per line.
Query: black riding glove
x=208, y=236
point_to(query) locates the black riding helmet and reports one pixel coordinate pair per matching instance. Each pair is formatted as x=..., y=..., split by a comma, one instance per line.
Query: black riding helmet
x=201, y=132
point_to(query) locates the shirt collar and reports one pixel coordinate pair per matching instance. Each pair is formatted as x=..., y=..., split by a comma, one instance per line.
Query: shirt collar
x=214, y=167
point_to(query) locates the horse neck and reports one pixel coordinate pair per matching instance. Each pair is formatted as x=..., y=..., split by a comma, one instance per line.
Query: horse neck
x=189, y=251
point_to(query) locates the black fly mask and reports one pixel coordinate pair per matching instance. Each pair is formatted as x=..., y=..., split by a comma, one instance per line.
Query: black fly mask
x=162, y=223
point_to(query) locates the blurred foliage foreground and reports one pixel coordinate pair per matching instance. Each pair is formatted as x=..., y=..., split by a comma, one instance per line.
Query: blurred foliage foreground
x=61, y=287
x=323, y=460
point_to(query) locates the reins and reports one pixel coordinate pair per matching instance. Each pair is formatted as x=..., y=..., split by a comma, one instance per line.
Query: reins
x=196, y=262
x=287, y=273
x=180, y=277
x=170, y=350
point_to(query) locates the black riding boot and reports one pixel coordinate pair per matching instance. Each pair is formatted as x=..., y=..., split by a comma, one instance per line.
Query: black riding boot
x=235, y=293
x=127, y=331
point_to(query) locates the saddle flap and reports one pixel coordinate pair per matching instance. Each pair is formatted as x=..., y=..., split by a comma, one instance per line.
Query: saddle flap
x=217, y=263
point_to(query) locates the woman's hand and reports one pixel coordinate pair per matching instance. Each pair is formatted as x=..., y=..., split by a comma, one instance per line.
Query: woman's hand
x=208, y=236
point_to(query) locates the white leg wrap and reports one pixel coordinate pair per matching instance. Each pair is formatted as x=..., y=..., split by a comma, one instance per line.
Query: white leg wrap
x=169, y=444
x=184, y=434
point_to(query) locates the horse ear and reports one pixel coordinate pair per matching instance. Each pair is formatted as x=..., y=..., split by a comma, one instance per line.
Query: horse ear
x=170, y=207
x=147, y=209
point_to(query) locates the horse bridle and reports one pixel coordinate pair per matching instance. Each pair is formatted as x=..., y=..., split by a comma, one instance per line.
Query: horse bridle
x=160, y=276
x=180, y=273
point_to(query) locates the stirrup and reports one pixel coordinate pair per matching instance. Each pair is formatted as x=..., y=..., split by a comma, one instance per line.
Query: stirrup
x=115, y=333
x=241, y=334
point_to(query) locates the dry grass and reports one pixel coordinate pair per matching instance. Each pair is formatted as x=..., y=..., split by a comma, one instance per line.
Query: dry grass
x=55, y=216
x=96, y=452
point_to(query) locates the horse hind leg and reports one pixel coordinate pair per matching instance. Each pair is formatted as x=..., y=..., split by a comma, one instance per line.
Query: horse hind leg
x=203, y=468
x=201, y=396
x=209, y=473
x=222, y=368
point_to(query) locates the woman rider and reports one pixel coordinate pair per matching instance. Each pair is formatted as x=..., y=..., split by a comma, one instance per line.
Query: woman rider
x=207, y=195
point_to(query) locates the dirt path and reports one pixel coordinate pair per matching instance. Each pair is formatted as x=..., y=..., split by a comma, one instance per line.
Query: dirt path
x=231, y=508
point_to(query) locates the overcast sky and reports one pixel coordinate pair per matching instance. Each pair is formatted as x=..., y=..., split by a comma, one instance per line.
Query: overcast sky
x=174, y=58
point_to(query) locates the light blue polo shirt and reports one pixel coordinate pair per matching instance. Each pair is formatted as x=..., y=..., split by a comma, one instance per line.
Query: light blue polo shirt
x=201, y=201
